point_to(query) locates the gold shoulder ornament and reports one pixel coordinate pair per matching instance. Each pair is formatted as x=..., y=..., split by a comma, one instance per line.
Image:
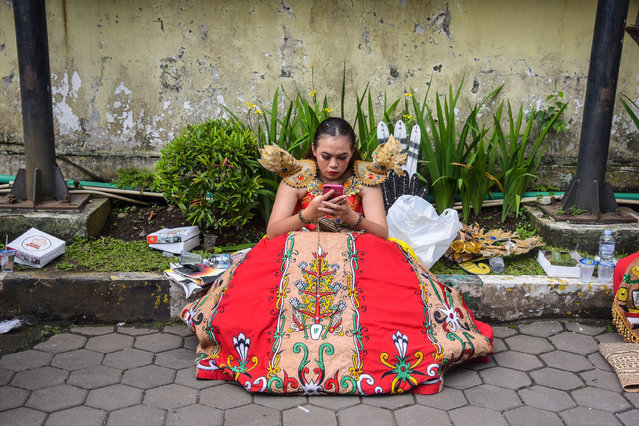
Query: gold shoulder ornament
x=296, y=173
x=386, y=157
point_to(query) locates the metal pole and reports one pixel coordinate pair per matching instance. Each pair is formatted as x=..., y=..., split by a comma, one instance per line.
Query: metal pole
x=588, y=191
x=35, y=93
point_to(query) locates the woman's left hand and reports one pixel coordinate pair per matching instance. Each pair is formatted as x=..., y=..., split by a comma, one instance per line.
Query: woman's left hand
x=339, y=209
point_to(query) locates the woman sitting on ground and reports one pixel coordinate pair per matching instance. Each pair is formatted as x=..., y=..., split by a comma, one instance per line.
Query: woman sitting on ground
x=341, y=312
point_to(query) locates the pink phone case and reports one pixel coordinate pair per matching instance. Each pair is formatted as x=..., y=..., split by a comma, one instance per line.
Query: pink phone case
x=337, y=190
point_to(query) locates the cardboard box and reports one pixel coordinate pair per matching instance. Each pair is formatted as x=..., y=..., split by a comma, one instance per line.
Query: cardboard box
x=559, y=271
x=36, y=248
x=172, y=235
x=177, y=248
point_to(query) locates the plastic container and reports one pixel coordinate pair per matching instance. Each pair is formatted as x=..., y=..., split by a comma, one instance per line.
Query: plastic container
x=607, y=245
x=497, y=265
x=605, y=271
x=586, y=268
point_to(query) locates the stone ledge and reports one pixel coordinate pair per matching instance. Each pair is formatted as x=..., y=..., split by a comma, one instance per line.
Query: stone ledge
x=127, y=296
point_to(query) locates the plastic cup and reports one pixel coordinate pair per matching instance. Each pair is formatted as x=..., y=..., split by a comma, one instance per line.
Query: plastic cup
x=586, y=268
x=605, y=271
x=188, y=258
x=7, y=258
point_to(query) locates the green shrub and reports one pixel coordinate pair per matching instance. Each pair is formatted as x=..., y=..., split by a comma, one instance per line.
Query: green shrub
x=210, y=172
x=132, y=177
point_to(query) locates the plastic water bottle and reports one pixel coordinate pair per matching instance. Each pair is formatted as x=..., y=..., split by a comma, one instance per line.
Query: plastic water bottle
x=496, y=265
x=607, y=245
x=606, y=267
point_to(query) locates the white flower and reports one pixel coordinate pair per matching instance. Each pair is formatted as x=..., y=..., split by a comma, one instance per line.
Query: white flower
x=452, y=317
x=401, y=343
x=242, y=344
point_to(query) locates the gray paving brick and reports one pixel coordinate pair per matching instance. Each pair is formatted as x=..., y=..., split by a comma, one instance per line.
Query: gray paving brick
x=62, y=343
x=77, y=359
x=602, y=379
x=391, y=402
x=503, y=332
x=170, y=396
x=546, y=398
x=89, y=330
x=517, y=360
x=37, y=378
x=128, y=358
x=114, y=397
x=5, y=376
x=308, y=415
x=629, y=418
x=258, y=414
x=505, y=377
x=582, y=416
x=600, y=399
x=530, y=416
x=610, y=337
x=76, y=416
x=158, y=342
x=447, y=399
x=566, y=361
x=195, y=415
x=137, y=415
x=574, y=342
x=558, y=379
x=175, y=358
x=109, y=343
x=499, y=345
x=225, y=396
x=180, y=330
x=56, y=398
x=186, y=377
x=473, y=416
x=419, y=415
x=364, y=415
x=334, y=402
x=279, y=402
x=633, y=397
x=478, y=366
x=22, y=416
x=586, y=328
x=541, y=328
x=528, y=344
x=12, y=397
x=190, y=343
x=599, y=361
x=148, y=376
x=136, y=331
x=494, y=397
x=94, y=377
x=460, y=378
x=24, y=360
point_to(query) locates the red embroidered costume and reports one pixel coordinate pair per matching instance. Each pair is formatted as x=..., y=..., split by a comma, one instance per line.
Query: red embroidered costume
x=332, y=312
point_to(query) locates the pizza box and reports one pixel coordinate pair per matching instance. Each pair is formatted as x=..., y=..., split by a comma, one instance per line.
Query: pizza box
x=36, y=248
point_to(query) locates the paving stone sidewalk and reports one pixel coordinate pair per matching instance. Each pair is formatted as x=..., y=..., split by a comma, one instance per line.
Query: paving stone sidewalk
x=543, y=373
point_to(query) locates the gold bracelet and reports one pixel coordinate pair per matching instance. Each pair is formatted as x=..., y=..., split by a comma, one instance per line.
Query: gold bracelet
x=353, y=226
x=301, y=218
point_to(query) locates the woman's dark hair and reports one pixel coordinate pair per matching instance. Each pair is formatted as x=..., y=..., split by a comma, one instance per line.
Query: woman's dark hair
x=334, y=126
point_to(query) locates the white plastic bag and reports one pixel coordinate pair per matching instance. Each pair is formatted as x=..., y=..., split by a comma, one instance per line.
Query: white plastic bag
x=416, y=222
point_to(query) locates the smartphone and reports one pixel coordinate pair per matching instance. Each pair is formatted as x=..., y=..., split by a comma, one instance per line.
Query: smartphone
x=337, y=190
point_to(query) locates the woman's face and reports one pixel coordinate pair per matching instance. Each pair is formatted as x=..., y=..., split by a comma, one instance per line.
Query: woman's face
x=333, y=154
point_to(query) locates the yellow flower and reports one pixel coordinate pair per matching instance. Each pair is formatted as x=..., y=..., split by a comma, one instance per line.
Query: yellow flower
x=407, y=116
x=408, y=94
x=312, y=93
x=258, y=111
x=328, y=109
x=250, y=105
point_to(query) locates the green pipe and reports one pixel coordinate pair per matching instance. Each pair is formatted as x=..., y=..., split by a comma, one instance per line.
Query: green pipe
x=489, y=196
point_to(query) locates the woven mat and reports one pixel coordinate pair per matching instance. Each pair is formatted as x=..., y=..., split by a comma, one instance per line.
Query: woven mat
x=624, y=359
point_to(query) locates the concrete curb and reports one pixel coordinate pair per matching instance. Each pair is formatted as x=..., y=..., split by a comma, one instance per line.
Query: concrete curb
x=115, y=297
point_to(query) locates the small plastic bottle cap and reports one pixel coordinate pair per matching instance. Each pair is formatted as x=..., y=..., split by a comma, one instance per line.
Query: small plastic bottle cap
x=587, y=262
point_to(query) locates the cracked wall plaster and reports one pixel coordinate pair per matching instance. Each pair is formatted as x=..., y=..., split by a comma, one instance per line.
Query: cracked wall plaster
x=126, y=78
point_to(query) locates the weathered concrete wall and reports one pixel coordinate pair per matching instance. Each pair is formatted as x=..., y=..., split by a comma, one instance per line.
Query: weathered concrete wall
x=128, y=75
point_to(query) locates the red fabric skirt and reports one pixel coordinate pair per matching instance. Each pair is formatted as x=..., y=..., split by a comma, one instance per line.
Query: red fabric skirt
x=333, y=313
